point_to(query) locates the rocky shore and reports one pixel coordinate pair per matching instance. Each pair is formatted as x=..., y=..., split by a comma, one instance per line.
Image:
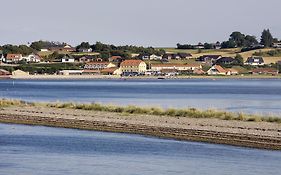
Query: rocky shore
x=262, y=135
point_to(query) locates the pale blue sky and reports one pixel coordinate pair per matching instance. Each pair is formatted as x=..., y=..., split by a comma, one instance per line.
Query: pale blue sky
x=137, y=22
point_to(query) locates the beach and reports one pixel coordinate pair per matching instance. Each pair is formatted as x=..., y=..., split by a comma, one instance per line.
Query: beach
x=262, y=135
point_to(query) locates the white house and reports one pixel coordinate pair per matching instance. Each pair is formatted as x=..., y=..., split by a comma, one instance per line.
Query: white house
x=277, y=45
x=99, y=65
x=155, y=57
x=44, y=50
x=150, y=57
x=32, y=58
x=217, y=70
x=179, y=67
x=85, y=50
x=13, y=58
x=255, y=61
x=71, y=72
x=68, y=59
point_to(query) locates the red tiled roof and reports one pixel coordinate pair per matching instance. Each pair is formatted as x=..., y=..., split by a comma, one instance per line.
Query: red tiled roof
x=199, y=71
x=231, y=70
x=220, y=69
x=131, y=63
x=109, y=70
x=115, y=57
x=12, y=56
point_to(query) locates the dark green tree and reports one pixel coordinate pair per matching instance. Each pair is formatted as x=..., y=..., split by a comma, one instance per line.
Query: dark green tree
x=84, y=45
x=250, y=41
x=208, y=46
x=228, y=44
x=55, y=55
x=38, y=45
x=266, y=38
x=239, y=59
x=238, y=38
x=275, y=40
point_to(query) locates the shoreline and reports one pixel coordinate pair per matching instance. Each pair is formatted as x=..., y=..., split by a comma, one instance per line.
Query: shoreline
x=261, y=135
x=115, y=77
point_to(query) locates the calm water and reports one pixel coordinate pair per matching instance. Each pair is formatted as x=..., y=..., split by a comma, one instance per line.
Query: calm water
x=27, y=150
x=251, y=96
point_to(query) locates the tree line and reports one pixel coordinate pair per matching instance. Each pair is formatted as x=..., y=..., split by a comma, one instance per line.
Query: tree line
x=107, y=50
x=238, y=39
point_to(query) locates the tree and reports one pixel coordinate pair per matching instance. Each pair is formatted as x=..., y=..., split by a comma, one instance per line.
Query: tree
x=228, y=44
x=37, y=45
x=250, y=41
x=84, y=45
x=266, y=38
x=275, y=40
x=185, y=46
x=239, y=59
x=208, y=46
x=21, y=49
x=53, y=56
x=238, y=38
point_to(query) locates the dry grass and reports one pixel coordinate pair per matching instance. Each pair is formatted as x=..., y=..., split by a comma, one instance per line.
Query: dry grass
x=225, y=53
x=269, y=60
x=190, y=112
x=11, y=102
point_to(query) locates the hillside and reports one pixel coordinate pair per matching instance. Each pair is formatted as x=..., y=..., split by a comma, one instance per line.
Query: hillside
x=226, y=53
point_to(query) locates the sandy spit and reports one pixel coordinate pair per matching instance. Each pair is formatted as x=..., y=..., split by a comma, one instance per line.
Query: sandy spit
x=262, y=135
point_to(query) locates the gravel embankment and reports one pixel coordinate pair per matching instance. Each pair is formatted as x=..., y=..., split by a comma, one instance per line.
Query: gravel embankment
x=262, y=135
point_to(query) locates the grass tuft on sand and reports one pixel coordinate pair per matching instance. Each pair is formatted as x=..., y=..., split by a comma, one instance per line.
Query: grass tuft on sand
x=171, y=112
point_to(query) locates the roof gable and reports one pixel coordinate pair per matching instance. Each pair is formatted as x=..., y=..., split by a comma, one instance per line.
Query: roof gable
x=131, y=63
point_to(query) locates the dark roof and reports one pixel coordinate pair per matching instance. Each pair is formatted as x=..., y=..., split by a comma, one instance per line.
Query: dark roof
x=184, y=55
x=253, y=60
x=225, y=59
x=172, y=55
x=208, y=57
x=67, y=56
x=88, y=56
x=211, y=56
x=144, y=55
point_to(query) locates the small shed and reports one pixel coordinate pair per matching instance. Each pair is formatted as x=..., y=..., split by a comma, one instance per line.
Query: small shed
x=20, y=73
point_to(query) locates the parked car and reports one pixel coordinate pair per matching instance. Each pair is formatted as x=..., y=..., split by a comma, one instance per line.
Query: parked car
x=130, y=74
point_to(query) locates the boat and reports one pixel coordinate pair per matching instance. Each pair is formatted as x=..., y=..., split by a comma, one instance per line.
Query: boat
x=161, y=78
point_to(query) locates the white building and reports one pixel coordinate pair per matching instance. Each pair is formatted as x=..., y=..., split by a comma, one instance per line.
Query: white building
x=179, y=67
x=217, y=70
x=32, y=58
x=68, y=59
x=150, y=57
x=255, y=61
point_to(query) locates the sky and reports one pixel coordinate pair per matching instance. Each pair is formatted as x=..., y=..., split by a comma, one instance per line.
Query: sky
x=157, y=23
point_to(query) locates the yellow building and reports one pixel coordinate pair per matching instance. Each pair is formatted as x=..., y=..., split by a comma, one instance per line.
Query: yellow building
x=138, y=66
